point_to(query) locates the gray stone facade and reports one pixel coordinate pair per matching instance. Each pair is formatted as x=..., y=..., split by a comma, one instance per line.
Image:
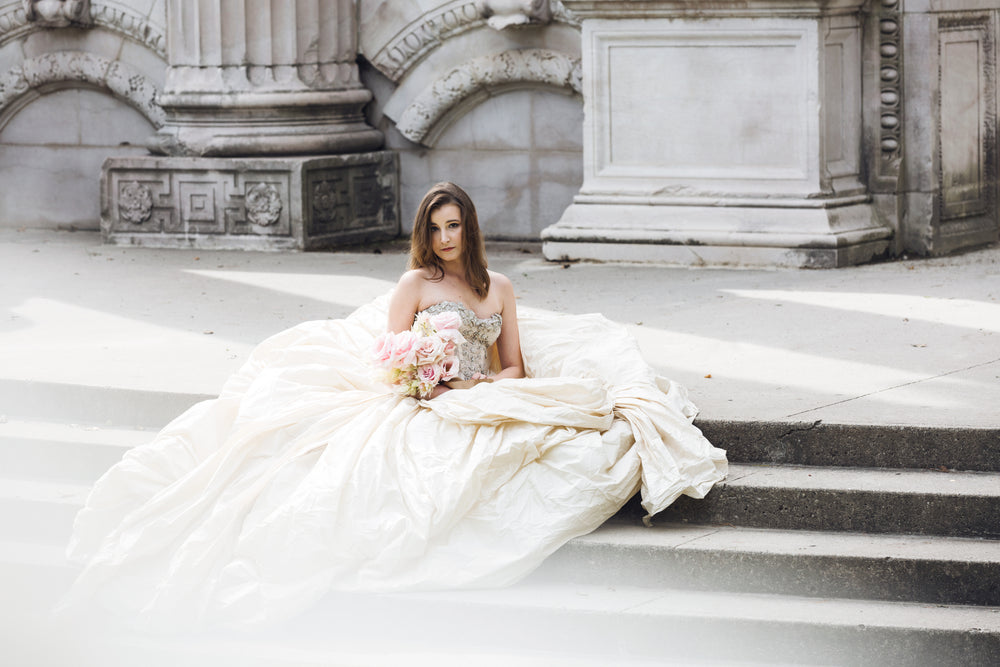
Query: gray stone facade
x=799, y=133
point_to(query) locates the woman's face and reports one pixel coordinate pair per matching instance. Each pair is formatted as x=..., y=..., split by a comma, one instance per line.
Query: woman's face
x=446, y=232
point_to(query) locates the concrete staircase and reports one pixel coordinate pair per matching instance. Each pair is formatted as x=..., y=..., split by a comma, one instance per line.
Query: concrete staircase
x=828, y=544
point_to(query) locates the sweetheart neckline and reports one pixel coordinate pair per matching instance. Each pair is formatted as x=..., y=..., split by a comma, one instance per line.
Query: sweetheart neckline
x=462, y=305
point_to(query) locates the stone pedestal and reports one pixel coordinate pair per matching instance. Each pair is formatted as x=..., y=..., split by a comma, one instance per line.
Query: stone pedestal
x=292, y=203
x=263, y=77
x=721, y=134
x=253, y=86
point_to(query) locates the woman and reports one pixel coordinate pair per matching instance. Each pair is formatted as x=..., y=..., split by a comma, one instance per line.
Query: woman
x=307, y=475
x=448, y=272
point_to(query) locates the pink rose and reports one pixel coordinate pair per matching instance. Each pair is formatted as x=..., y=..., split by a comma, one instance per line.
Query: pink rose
x=451, y=336
x=382, y=349
x=448, y=319
x=428, y=376
x=449, y=368
x=404, y=349
x=430, y=349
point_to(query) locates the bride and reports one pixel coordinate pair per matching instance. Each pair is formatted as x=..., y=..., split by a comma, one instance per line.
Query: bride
x=307, y=475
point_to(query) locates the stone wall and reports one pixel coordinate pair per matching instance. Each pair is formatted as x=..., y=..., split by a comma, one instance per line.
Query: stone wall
x=496, y=109
x=72, y=93
x=801, y=132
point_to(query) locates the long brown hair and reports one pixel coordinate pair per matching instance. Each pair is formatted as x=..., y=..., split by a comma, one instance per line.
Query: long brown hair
x=473, y=248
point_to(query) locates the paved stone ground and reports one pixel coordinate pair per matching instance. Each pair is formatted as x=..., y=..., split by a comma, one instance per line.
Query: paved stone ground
x=915, y=342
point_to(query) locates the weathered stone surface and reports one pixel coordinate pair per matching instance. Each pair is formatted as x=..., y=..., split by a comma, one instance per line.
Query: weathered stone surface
x=243, y=82
x=683, y=145
x=876, y=446
x=277, y=203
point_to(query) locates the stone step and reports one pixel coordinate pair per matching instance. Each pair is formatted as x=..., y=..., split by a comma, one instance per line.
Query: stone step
x=39, y=512
x=902, y=568
x=856, y=445
x=93, y=405
x=571, y=624
x=34, y=574
x=71, y=452
x=657, y=623
x=959, y=504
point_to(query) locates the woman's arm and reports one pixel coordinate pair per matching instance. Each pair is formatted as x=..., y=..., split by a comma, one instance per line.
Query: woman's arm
x=403, y=308
x=509, y=342
x=404, y=302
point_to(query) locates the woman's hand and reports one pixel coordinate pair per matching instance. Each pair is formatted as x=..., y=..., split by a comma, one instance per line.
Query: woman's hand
x=470, y=383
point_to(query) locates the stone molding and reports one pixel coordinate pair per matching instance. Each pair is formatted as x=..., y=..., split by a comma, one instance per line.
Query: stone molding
x=425, y=34
x=60, y=67
x=112, y=16
x=890, y=73
x=961, y=208
x=689, y=9
x=485, y=74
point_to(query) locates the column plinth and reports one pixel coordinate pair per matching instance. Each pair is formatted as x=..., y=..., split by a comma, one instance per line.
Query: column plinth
x=727, y=135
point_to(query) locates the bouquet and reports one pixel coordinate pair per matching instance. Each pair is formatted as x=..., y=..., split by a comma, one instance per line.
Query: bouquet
x=414, y=362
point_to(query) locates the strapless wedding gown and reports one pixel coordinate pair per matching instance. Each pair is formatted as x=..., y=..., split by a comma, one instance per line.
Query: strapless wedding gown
x=306, y=475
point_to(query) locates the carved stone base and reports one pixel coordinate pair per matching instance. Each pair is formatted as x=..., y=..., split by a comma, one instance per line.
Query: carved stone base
x=811, y=237
x=251, y=203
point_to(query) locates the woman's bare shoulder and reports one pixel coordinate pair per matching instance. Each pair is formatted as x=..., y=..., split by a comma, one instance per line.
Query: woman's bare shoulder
x=501, y=282
x=414, y=279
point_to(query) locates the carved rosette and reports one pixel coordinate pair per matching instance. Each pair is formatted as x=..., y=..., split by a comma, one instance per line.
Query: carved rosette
x=135, y=202
x=263, y=204
x=890, y=83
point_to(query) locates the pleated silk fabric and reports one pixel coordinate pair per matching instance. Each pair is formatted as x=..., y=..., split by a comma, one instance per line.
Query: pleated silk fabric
x=306, y=475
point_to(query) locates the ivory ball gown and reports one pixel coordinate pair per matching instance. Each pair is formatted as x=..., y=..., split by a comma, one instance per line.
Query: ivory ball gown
x=307, y=475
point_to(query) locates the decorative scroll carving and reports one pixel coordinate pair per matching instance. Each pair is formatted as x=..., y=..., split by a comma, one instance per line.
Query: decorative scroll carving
x=263, y=204
x=486, y=73
x=890, y=89
x=68, y=66
x=433, y=28
x=57, y=13
x=500, y=14
x=121, y=20
x=135, y=202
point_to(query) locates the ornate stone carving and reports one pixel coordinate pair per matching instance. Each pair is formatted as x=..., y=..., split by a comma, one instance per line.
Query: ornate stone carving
x=118, y=19
x=427, y=33
x=890, y=87
x=537, y=66
x=135, y=202
x=500, y=14
x=57, y=13
x=263, y=204
x=250, y=203
x=328, y=204
x=62, y=66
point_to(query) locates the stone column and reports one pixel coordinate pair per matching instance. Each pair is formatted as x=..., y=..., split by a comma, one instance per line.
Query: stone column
x=721, y=133
x=265, y=145
x=263, y=77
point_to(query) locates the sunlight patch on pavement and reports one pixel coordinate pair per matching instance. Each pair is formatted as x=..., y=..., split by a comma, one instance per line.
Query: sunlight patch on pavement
x=776, y=367
x=347, y=290
x=964, y=313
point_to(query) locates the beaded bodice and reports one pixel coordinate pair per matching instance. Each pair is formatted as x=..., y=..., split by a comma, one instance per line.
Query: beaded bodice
x=479, y=333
